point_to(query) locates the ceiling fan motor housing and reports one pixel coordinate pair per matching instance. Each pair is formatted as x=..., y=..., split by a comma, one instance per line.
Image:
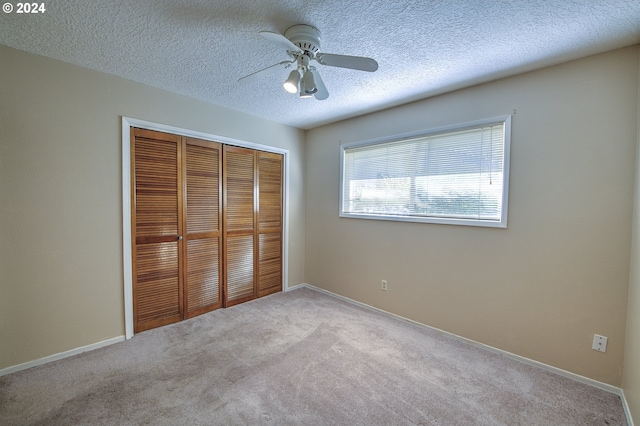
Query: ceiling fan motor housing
x=305, y=37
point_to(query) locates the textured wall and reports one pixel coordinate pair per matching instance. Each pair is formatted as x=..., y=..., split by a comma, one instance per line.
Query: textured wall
x=631, y=371
x=61, y=197
x=558, y=274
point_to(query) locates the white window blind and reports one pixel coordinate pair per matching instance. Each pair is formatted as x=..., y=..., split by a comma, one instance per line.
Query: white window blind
x=457, y=176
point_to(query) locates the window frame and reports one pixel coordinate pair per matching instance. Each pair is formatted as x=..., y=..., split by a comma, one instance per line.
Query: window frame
x=502, y=223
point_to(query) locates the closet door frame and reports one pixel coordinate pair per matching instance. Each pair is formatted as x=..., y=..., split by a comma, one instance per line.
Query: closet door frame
x=127, y=124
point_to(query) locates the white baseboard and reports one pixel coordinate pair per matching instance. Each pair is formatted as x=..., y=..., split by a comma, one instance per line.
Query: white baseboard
x=60, y=355
x=555, y=370
x=625, y=405
x=76, y=351
x=578, y=378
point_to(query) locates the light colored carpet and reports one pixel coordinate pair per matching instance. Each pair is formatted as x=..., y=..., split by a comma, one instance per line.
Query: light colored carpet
x=298, y=358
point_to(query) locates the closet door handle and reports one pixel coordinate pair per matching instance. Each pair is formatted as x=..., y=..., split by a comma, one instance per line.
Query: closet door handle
x=179, y=237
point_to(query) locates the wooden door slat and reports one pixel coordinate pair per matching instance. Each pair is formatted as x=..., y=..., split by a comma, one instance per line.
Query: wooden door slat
x=203, y=283
x=240, y=182
x=203, y=175
x=239, y=206
x=270, y=183
x=156, y=187
x=270, y=189
x=203, y=272
x=157, y=283
x=240, y=265
x=156, y=194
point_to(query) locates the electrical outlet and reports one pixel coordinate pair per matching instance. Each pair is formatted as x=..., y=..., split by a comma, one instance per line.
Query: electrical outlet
x=384, y=285
x=599, y=343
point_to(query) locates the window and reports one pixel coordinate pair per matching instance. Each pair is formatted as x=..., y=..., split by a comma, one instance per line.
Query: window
x=457, y=175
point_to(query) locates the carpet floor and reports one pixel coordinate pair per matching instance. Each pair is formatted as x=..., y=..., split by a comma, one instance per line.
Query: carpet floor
x=298, y=358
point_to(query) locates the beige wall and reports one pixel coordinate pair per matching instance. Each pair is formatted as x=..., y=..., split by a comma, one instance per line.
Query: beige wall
x=61, y=197
x=540, y=288
x=558, y=274
x=631, y=371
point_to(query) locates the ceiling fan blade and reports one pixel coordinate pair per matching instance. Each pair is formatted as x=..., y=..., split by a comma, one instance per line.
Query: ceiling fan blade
x=344, y=61
x=264, y=72
x=322, y=92
x=281, y=40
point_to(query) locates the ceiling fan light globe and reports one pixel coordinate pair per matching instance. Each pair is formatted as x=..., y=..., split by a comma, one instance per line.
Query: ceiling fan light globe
x=308, y=83
x=291, y=85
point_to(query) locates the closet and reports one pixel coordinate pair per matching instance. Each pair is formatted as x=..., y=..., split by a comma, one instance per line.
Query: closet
x=206, y=226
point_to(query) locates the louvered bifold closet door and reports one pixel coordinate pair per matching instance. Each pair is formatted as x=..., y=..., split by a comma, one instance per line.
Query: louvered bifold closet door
x=239, y=204
x=156, y=228
x=203, y=207
x=269, y=223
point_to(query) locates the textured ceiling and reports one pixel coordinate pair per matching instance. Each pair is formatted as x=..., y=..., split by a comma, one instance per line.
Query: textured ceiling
x=199, y=48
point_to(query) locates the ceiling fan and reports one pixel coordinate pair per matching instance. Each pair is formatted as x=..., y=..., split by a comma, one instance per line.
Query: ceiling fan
x=303, y=46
